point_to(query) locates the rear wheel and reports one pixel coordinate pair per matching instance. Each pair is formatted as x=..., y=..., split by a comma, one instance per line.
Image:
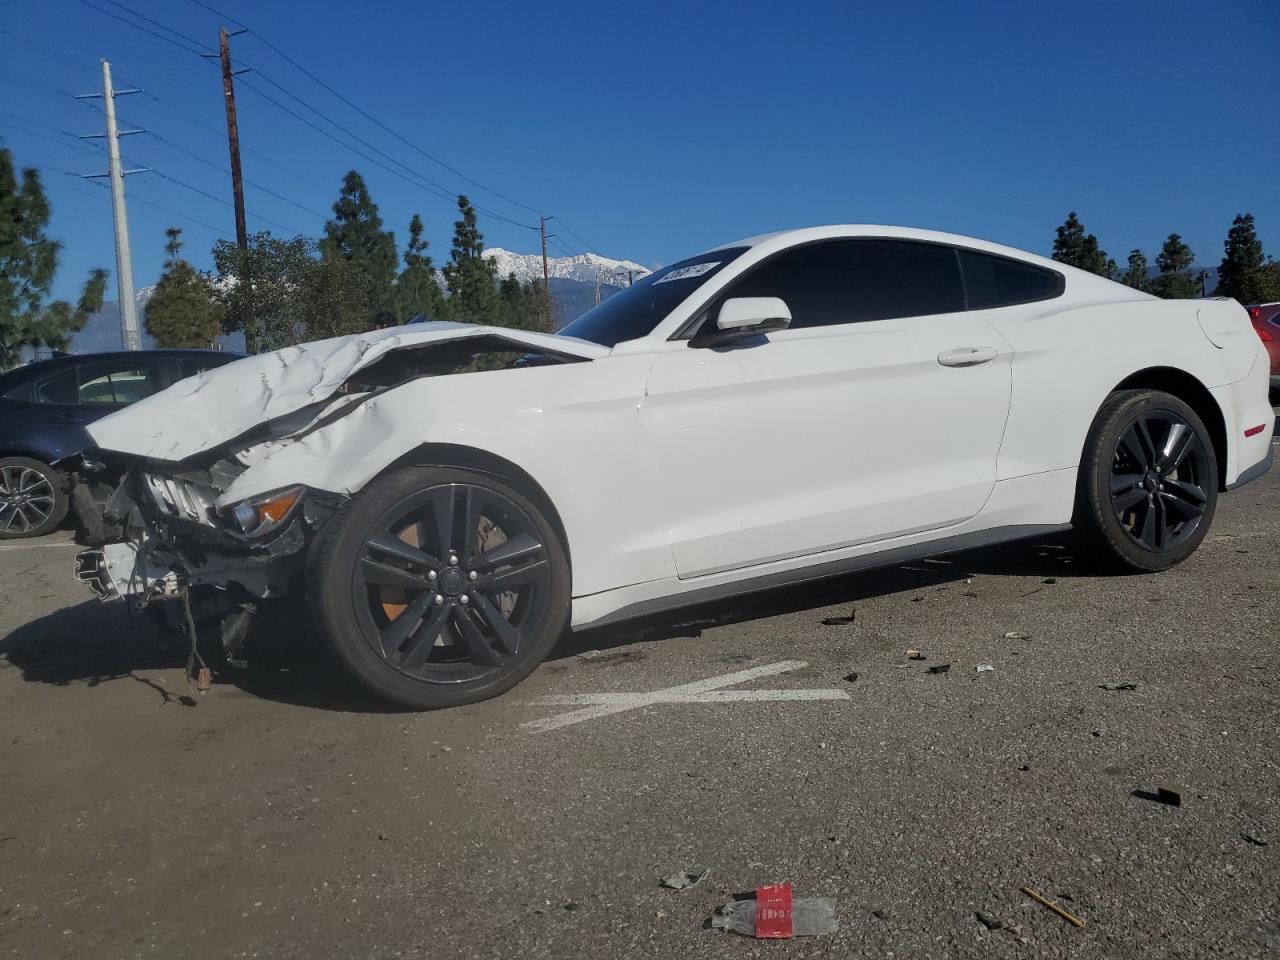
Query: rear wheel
x=33, y=498
x=441, y=586
x=1148, y=482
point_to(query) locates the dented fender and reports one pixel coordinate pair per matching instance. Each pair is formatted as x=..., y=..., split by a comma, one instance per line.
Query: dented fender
x=218, y=406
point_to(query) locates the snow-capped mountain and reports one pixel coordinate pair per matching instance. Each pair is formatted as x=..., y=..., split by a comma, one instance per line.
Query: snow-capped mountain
x=585, y=267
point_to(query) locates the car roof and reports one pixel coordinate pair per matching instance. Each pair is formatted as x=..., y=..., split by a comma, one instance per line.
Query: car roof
x=786, y=238
x=36, y=367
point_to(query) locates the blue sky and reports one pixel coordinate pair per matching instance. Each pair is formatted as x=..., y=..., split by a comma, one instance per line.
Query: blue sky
x=659, y=130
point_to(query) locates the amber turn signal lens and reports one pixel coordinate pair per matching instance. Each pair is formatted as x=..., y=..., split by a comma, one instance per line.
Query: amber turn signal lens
x=271, y=512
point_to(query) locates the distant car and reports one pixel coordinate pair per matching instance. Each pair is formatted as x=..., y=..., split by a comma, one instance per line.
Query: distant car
x=1266, y=320
x=44, y=409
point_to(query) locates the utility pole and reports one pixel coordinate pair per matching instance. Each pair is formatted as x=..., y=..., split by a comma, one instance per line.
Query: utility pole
x=130, y=336
x=547, y=302
x=233, y=137
x=245, y=320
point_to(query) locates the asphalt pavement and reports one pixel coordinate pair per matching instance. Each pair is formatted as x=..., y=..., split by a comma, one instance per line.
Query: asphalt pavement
x=783, y=738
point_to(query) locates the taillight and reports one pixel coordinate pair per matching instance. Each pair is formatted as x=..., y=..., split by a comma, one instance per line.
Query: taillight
x=1263, y=333
x=1255, y=314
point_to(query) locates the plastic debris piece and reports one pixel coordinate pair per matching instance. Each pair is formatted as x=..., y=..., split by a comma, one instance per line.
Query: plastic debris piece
x=1121, y=685
x=1050, y=580
x=683, y=881
x=841, y=621
x=1045, y=901
x=914, y=654
x=940, y=668
x=985, y=668
x=1253, y=838
x=851, y=677
x=1170, y=795
x=204, y=679
x=988, y=921
x=775, y=915
x=1017, y=635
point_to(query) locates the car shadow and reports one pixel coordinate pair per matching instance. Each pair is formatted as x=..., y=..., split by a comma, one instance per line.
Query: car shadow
x=93, y=643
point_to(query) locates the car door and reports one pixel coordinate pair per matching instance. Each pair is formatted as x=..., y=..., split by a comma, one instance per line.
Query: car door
x=67, y=399
x=878, y=413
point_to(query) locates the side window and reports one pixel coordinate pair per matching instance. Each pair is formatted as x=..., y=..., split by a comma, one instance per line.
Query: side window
x=118, y=383
x=992, y=281
x=59, y=388
x=853, y=281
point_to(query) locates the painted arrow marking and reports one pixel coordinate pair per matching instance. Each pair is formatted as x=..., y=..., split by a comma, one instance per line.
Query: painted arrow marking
x=711, y=690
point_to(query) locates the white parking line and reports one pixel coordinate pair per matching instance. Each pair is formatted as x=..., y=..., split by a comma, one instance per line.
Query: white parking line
x=38, y=546
x=700, y=691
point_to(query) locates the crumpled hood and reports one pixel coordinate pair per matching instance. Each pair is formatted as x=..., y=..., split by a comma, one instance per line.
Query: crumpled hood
x=215, y=407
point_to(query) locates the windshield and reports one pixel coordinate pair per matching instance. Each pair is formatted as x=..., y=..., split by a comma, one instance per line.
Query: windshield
x=636, y=310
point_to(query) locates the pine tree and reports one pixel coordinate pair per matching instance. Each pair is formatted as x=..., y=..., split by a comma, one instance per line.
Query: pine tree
x=1077, y=249
x=473, y=293
x=1174, y=281
x=417, y=289
x=355, y=234
x=28, y=263
x=1244, y=273
x=1136, y=275
x=182, y=311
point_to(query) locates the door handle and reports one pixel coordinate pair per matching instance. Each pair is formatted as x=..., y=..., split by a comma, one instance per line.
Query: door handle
x=967, y=356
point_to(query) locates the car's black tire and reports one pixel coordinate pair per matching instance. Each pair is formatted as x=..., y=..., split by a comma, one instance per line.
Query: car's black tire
x=380, y=545
x=1148, y=483
x=33, y=498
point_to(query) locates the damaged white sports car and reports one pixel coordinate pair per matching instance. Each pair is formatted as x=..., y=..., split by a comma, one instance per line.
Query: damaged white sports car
x=446, y=498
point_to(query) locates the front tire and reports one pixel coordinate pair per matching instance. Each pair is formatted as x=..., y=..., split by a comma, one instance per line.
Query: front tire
x=440, y=586
x=33, y=498
x=1148, y=482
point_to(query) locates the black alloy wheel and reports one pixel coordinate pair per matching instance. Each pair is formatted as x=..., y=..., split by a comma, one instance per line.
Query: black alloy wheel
x=454, y=586
x=1157, y=480
x=1148, y=482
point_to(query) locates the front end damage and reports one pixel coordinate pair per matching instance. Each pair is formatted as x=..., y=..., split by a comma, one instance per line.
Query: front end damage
x=172, y=547
x=172, y=505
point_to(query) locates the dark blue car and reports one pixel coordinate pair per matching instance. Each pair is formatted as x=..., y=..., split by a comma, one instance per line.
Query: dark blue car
x=44, y=408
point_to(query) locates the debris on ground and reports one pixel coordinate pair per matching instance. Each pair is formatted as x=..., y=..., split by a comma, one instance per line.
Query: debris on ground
x=572, y=905
x=1017, y=635
x=775, y=915
x=841, y=621
x=1169, y=795
x=851, y=677
x=988, y=921
x=940, y=668
x=1121, y=685
x=1253, y=838
x=1046, y=902
x=683, y=881
x=880, y=914
x=1050, y=580
x=985, y=668
x=914, y=654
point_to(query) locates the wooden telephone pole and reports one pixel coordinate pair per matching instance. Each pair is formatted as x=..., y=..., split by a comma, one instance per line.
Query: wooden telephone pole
x=548, y=303
x=233, y=138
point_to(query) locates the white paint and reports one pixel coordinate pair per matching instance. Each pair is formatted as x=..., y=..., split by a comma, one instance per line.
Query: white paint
x=674, y=469
x=596, y=705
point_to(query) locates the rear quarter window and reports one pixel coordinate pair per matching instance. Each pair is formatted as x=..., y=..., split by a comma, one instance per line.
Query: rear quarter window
x=993, y=281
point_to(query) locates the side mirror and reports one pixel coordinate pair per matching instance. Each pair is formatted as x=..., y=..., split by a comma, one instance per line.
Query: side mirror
x=744, y=317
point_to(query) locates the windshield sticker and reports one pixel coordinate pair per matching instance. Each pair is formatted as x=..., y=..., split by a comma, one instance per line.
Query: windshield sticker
x=688, y=273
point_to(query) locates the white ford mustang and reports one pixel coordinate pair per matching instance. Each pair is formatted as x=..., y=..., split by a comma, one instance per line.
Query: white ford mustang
x=445, y=498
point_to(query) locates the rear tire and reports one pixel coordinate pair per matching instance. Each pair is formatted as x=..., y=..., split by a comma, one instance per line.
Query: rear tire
x=33, y=498
x=439, y=586
x=1148, y=483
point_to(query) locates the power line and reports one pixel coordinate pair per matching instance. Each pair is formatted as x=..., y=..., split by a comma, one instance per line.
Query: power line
x=138, y=26
x=217, y=199
x=368, y=116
